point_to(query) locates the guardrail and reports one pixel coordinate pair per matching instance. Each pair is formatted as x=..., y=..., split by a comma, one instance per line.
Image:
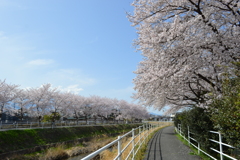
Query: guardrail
x=138, y=137
x=189, y=138
x=16, y=125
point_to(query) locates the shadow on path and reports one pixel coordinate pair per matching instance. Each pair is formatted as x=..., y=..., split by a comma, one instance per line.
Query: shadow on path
x=165, y=146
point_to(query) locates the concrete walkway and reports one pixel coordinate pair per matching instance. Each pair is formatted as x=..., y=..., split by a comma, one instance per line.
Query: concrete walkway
x=165, y=146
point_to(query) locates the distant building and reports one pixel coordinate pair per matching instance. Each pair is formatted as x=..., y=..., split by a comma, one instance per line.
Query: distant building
x=7, y=117
x=172, y=116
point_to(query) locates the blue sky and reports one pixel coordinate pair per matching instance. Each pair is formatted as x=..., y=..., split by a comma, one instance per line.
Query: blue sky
x=80, y=45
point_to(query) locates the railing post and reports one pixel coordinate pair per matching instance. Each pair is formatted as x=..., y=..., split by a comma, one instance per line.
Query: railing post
x=150, y=127
x=133, y=144
x=144, y=132
x=198, y=148
x=220, y=145
x=119, y=148
x=147, y=130
x=188, y=136
x=140, y=134
x=180, y=129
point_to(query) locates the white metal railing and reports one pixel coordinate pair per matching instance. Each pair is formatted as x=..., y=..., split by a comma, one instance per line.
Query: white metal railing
x=16, y=125
x=141, y=136
x=189, y=138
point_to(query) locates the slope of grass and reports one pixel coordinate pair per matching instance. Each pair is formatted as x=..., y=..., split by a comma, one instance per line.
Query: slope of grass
x=22, y=139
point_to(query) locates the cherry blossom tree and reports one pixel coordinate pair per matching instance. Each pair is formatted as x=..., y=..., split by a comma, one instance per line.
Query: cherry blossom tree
x=76, y=107
x=86, y=108
x=140, y=112
x=134, y=112
x=96, y=106
x=67, y=108
x=115, y=109
x=41, y=100
x=21, y=104
x=48, y=101
x=185, y=43
x=101, y=107
x=58, y=103
x=125, y=110
x=8, y=92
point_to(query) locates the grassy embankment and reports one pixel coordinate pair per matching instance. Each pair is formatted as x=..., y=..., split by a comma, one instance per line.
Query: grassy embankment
x=26, y=140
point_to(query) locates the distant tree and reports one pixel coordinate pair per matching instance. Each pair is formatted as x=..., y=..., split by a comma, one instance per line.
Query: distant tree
x=59, y=101
x=125, y=110
x=142, y=113
x=50, y=104
x=101, y=107
x=8, y=93
x=86, y=109
x=51, y=117
x=21, y=104
x=46, y=118
x=77, y=104
x=41, y=100
x=184, y=43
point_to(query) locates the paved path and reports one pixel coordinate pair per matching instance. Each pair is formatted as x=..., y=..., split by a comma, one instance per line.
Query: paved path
x=165, y=146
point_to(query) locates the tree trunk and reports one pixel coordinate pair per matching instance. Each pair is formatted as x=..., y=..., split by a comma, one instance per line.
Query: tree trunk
x=1, y=112
x=86, y=118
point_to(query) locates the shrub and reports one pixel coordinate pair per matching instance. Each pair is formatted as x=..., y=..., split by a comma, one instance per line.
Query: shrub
x=199, y=123
x=52, y=117
x=225, y=110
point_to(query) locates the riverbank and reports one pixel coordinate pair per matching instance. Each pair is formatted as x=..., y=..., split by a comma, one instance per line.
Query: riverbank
x=14, y=142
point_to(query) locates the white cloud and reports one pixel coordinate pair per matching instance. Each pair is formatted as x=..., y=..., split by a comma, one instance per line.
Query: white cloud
x=72, y=76
x=120, y=93
x=41, y=62
x=123, y=91
x=72, y=88
x=23, y=62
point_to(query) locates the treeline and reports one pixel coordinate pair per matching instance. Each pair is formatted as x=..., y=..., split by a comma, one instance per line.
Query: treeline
x=222, y=115
x=52, y=104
